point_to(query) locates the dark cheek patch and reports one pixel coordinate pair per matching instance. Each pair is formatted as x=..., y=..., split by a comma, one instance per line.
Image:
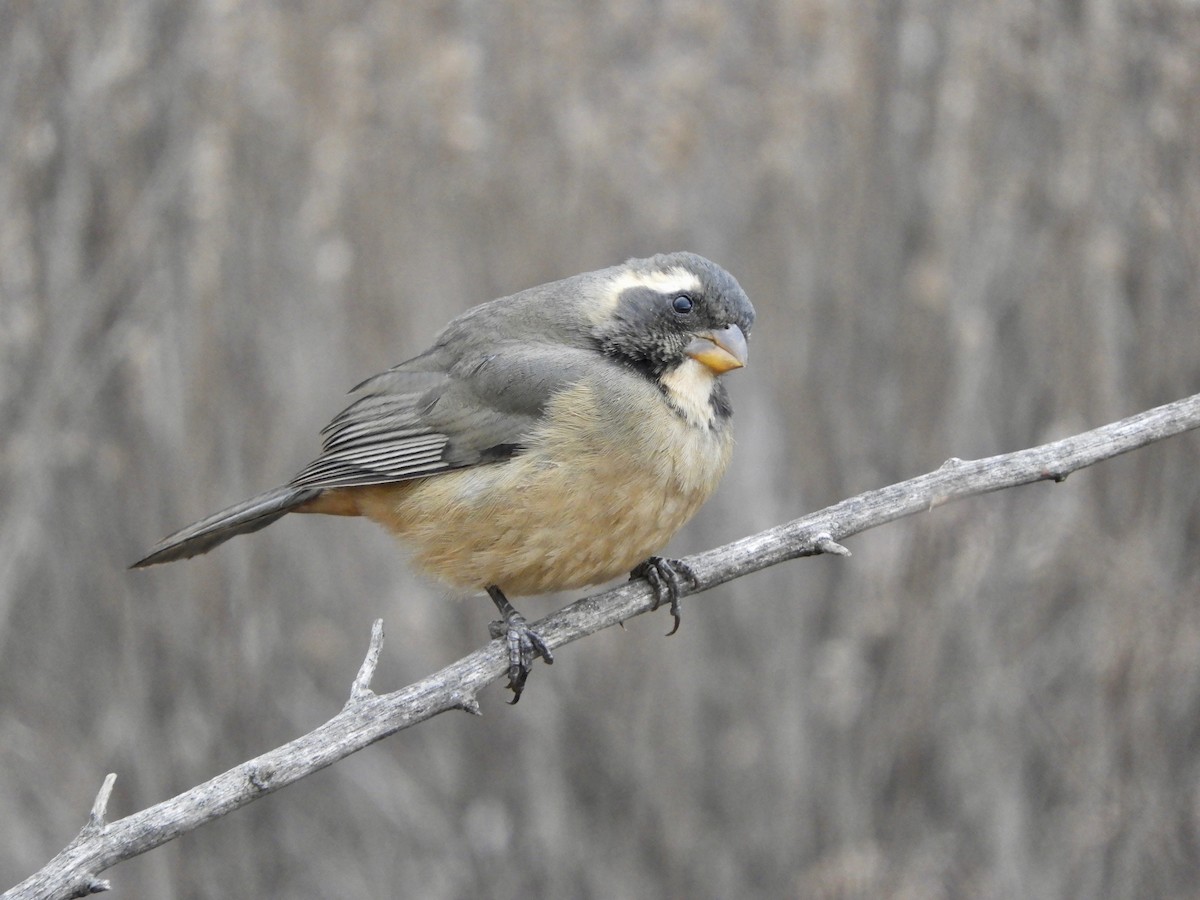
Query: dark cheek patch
x=638, y=334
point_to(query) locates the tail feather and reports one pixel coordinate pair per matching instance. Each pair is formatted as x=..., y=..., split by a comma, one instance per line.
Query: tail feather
x=241, y=518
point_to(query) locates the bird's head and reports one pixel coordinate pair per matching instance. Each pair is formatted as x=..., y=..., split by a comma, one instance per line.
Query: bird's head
x=681, y=321
x=656, y=314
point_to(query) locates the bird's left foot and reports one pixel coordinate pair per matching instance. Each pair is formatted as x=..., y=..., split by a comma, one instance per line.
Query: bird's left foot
x=667, y=577
x=523, y=642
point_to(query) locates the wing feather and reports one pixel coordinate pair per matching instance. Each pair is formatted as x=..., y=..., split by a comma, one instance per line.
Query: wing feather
x=442, y=411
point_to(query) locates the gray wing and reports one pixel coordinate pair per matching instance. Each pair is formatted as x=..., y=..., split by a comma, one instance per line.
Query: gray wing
x=430, y=415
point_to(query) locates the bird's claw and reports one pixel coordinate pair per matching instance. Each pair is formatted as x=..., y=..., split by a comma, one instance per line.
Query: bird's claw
x=523, y=645
x=667, y=577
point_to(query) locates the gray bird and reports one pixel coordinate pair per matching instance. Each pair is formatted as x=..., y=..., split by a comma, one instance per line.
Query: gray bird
x=548, y=440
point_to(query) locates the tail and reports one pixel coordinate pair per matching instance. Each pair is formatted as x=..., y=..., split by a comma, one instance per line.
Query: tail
x=241, y=518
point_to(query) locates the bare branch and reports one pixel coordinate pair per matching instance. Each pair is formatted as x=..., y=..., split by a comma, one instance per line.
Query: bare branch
x=368, y=717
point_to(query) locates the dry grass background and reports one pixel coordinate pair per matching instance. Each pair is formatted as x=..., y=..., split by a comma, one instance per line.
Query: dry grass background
x=967, y=228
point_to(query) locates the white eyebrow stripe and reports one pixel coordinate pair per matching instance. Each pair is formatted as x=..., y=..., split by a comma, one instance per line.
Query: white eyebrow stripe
x=664, y=281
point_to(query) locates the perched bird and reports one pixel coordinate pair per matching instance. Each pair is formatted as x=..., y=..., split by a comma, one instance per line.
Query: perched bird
x=548, y=440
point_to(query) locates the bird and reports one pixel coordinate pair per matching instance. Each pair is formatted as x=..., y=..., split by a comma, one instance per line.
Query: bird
x=552, y=439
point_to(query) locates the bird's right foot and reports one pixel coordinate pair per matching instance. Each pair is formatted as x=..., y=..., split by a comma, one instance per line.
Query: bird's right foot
x=668, y=578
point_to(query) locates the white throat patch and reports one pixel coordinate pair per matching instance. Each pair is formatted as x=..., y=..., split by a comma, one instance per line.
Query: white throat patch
x=690, y=388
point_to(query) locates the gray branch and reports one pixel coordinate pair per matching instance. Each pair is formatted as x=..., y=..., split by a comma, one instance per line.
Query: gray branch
x=368, y=717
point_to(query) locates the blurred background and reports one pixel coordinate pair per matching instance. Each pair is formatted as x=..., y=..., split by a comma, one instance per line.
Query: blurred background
x=967, y=229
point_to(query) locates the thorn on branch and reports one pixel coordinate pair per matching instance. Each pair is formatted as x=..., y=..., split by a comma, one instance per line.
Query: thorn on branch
x=468, y=704
x=826, y=544
x=361, y=689
x=98, y=886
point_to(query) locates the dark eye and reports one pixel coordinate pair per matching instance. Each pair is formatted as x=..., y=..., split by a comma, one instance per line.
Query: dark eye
x=682, y=304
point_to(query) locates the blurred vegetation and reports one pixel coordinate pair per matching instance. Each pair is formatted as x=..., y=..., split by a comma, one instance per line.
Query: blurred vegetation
x=967, y=228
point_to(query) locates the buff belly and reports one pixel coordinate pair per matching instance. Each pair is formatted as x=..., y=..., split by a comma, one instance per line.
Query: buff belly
x=584, y=504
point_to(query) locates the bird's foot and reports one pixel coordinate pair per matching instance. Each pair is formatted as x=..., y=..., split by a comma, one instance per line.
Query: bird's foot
x=523, y=642
x=667, y=577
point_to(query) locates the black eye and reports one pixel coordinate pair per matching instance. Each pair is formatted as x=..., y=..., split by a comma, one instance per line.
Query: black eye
x=682, y=304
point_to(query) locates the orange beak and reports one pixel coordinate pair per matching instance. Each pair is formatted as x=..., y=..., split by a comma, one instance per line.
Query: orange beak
x=719, y=350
